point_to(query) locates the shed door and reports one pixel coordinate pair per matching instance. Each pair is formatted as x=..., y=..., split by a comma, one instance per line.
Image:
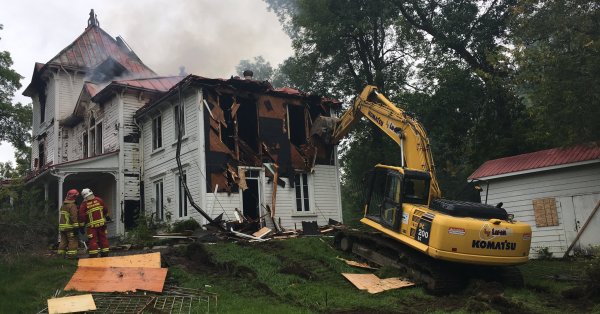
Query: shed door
x=576, y=210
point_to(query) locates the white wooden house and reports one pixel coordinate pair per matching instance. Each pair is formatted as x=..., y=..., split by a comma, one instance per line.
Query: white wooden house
x=235, y=132
x=85, y=136
x=553, y=190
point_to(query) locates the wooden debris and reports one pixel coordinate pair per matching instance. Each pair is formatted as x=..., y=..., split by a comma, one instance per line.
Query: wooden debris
x=117, y=279
x=247, y=236
x=262, y=232
x=374, y=284
x=78, y=303
x=327, y=230
x=356, y=264
x=150, y=260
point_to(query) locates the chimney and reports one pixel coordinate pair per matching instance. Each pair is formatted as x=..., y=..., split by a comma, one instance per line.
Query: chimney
x=248, y=74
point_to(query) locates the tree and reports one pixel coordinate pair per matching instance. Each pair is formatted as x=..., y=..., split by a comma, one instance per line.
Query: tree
x=262, y=69
x=15, y=120
x=557, y=51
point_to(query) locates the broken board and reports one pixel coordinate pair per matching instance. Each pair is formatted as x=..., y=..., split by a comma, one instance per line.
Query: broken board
x=117, y=279
x=150, y=260
x=78, y=303
x=262, y=232
x=374, y=284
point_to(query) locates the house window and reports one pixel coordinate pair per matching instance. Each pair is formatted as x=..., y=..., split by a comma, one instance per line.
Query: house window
x=158, y=200
x=99, y=146
x=41, y=154
x=175, y=117
x=84, y=144
x=302, y=197
x=183, y=199
x=42, y=110
x=545, y=212
x=157, y=133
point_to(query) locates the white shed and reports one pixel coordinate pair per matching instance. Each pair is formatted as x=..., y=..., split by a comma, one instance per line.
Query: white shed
x=556, y=191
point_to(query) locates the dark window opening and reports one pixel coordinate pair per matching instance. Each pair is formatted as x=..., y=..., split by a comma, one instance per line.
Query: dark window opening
x=42, y=154
x=296, y=124
x=156, y=133
x=98, y=148
x=317, y=109
x=247, y=120
x=84, y=144
x=416, y=190
x=41, y=91
x=158, y=200
x=92, y=140
x=183, y=198
x=227, y=133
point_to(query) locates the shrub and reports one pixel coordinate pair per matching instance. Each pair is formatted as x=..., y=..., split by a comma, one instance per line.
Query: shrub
x=183, y=225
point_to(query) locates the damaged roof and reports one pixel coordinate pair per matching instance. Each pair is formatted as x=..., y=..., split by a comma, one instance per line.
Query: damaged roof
x=263, y=87
x=544, y=159
x=90, y=49
x=153, y=84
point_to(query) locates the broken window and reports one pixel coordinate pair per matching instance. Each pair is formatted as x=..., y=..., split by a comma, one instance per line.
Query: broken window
x=84, y=144
x=183, y=199
x=158, y=199
x=92, y=140
x=302, y=197
x=181, y=119
x=296, y=124
x=227, y=130
x=98, y=148
x=156, y=132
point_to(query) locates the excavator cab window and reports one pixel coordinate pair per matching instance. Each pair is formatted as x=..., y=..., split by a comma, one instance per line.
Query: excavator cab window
x=384, y=197
x=416, y=187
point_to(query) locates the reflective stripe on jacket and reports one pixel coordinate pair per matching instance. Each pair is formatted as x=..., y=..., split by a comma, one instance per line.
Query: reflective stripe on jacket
x=68, y=216
x=94, y=212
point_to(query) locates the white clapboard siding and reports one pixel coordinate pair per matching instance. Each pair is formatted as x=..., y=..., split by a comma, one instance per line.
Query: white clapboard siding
x=518, y=192
x=69, y=88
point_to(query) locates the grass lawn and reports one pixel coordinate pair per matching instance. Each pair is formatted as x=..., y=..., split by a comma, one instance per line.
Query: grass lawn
x=299, y=275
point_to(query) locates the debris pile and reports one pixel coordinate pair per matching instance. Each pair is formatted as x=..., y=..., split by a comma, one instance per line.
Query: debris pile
x=128, y=284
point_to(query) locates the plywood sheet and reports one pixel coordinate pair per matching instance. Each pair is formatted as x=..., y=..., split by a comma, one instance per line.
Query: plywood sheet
x=78, y=303
x=150, y=260
x=117, y=279
x=356, y=264
x=374, y=284
x=262, y=232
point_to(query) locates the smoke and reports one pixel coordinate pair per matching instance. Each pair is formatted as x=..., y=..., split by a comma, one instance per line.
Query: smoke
x=208, y=37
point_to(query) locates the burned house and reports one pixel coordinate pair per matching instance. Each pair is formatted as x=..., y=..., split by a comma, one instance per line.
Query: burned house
x=244, y=146
x=104, y=120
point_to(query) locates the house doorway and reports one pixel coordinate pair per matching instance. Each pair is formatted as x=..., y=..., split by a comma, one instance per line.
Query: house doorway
x=251, y=196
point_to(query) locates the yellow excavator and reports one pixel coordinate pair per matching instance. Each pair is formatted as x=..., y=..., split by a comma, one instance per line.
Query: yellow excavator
x=438, y=242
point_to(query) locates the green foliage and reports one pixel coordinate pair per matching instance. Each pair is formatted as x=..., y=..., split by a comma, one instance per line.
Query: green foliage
x=262, y=69
x=543, y=253
x=557, y=47
x=15, y=120
x=185, y=225
x=145, y=227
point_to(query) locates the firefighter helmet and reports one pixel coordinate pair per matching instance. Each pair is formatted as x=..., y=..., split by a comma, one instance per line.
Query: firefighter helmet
x=72, y=194
x=87, y=193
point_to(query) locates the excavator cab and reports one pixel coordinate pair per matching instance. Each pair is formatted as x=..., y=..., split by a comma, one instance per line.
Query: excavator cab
x=388, y=188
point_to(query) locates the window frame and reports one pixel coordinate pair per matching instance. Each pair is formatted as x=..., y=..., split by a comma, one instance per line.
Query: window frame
x=305, y=199
x=175, y=116
x=159, y=211
x=182, y=198
x=157, y=131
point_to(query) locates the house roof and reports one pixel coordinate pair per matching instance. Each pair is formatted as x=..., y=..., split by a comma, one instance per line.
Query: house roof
x=538, y=161
x=240, y=84
x=93, y=47
x=152, y=84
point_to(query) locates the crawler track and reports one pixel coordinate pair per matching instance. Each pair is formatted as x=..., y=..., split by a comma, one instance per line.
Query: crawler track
x=438, y=277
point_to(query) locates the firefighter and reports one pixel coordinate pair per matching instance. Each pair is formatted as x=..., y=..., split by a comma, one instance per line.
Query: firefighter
x=68, y=225
x=94, y=213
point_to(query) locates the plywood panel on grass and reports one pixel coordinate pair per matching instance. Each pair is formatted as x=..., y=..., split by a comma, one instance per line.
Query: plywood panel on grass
x=117, y=279
x=374, y=284
x=78, y=303
x=150, y=260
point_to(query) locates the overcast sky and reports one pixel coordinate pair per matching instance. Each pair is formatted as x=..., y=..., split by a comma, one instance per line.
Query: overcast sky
x=208, y=37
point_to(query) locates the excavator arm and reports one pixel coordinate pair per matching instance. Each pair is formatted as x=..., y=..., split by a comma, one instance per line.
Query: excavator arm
x=406, y=131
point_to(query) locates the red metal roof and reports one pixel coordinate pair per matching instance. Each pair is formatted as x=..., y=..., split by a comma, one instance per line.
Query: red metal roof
x=536, y=160
x=161, y=84
x=91, y=88
x=93, y=47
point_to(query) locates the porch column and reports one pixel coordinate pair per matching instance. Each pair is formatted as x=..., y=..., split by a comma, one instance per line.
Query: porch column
x=61, y=180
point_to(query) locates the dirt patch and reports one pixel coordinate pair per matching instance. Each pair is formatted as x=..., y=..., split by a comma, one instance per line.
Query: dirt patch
x=296, y=269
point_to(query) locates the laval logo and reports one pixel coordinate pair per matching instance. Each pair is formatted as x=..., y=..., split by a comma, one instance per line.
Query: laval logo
x=488, y=232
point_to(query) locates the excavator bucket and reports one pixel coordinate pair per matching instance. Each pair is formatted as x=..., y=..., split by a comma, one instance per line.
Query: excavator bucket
x=323, y=128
